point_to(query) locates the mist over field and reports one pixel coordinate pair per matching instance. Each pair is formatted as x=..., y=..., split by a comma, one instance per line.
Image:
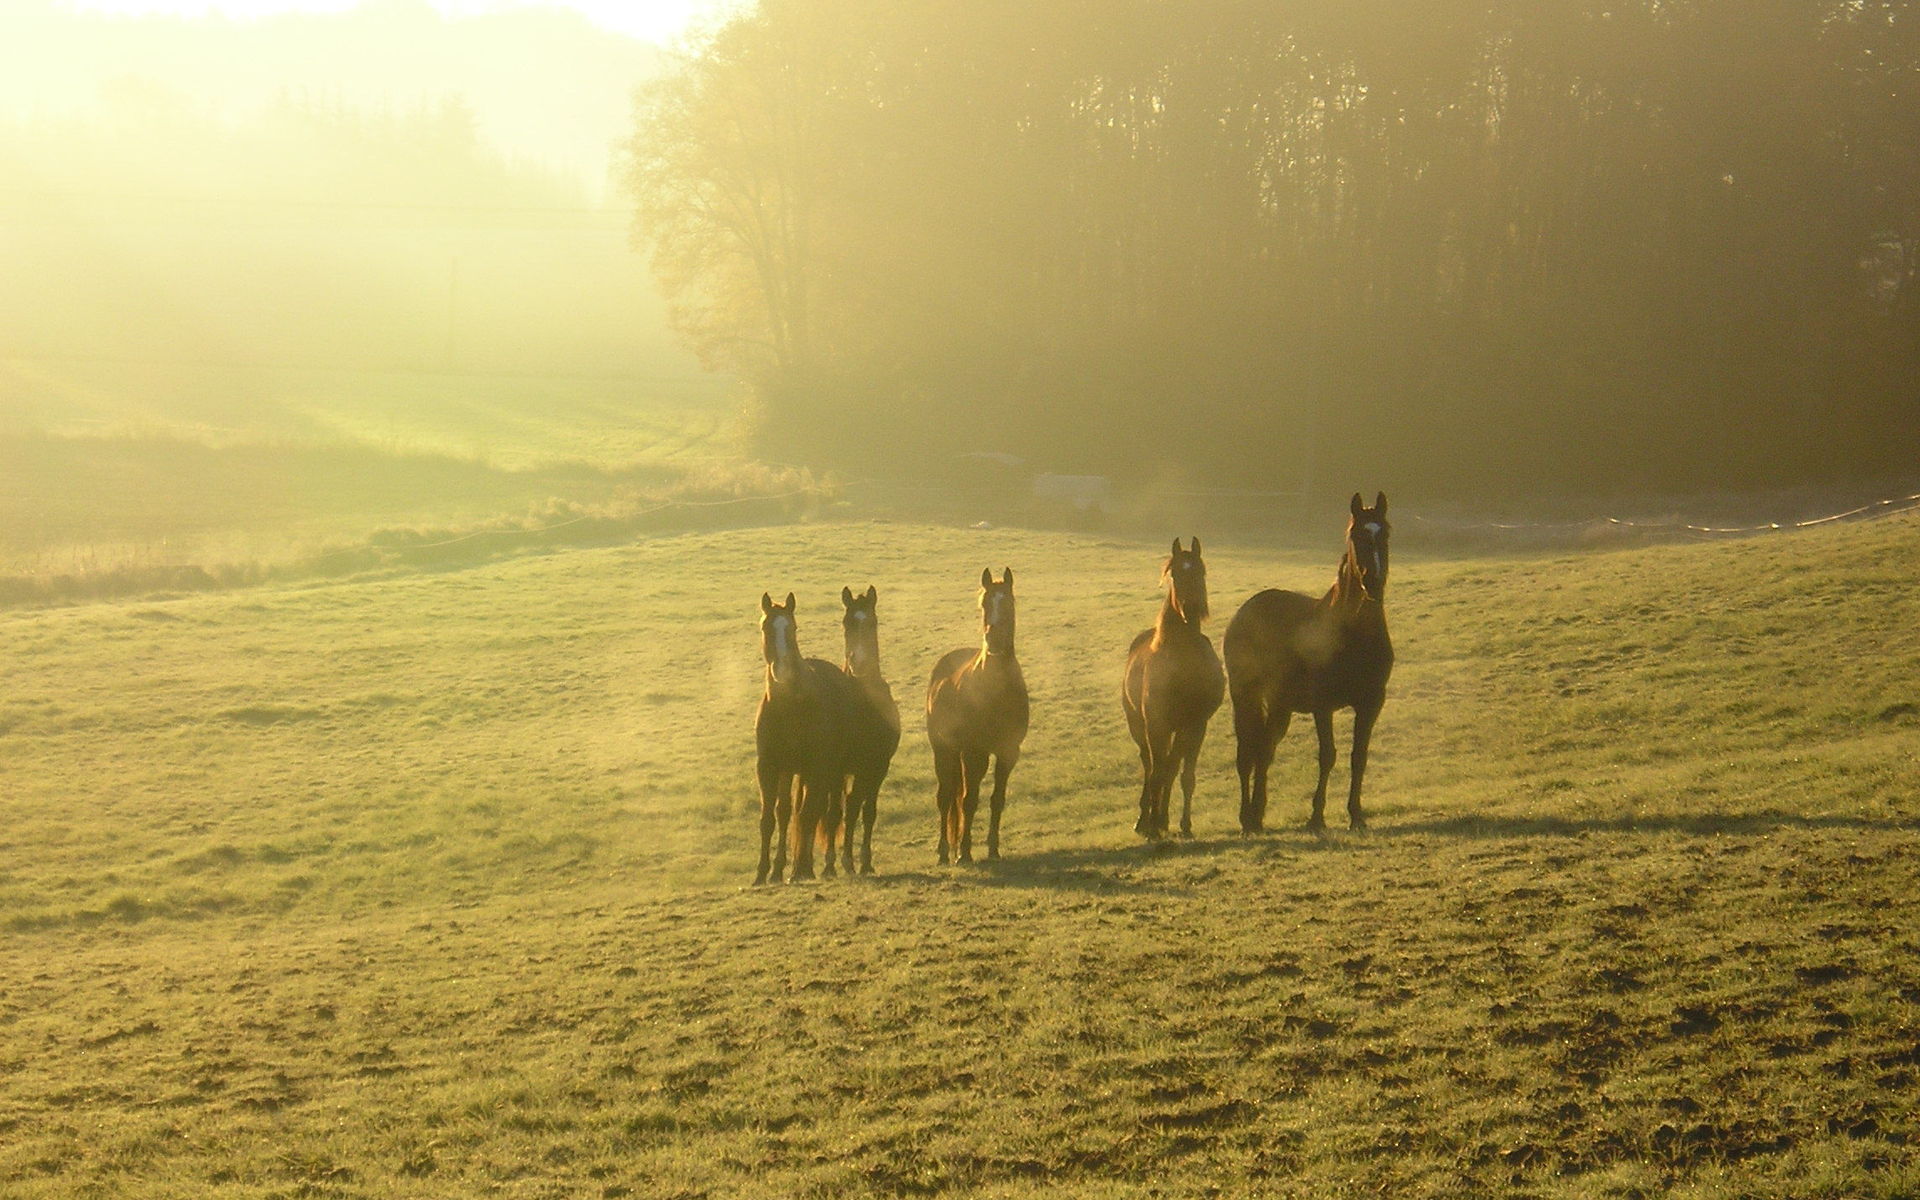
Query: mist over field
x=348, y=270
x=410, y=422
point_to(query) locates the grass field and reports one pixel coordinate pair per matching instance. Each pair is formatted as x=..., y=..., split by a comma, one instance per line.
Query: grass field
x=432, y=884
x=117, y=472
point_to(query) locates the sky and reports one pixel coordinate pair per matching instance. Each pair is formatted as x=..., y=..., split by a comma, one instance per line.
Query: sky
x=654, y=20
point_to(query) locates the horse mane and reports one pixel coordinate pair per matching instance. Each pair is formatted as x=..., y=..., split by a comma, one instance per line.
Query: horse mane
x=1168, y=621
x=1347, y=591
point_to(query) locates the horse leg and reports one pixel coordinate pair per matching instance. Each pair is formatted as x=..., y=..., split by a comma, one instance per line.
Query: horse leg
x=850, y=825
x=806, y=827
x=1166, y=768
x=1002, y=767
x=1157, y=757
x=1144, y=826
x=1363, y=719
x=1323, y=729
x=832, y=811
x=842, y=847
x=1190, y=759
x=769, y=789
x=783, y=809
x=869, y=801
x=973, y=765
x=1272, y=734
x=946, y=770
x=1249, y=730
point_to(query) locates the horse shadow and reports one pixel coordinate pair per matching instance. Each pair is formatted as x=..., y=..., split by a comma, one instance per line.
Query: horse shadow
x=1702, y=824
x=1096, y=870
x=1116, y=870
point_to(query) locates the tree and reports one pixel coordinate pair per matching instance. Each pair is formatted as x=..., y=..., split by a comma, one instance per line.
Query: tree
x=1431, y=243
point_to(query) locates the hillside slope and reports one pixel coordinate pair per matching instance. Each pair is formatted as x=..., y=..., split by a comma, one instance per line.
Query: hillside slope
x=433, y=886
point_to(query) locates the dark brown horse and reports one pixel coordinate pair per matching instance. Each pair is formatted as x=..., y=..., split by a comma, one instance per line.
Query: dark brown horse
x=1172, y=686
x=1288, y=653
x=976, y=709
x=801, y=733
x=875, y=734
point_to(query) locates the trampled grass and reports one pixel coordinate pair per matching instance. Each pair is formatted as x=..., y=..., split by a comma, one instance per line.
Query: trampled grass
x=434, y=885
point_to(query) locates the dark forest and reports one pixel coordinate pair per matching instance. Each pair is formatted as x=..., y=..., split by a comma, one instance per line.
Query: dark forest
x=1474, y=249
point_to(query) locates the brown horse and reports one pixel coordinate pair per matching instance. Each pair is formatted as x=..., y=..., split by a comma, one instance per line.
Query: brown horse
x=1172, y=686
x=977, y=708
x=875, y=734
x=801, y=734
x=1288, y=653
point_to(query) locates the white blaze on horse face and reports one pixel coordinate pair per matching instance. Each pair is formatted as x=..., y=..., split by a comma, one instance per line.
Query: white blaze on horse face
x=858, y=652
x=995, y=611
x=1375, y=530
x=786, y=649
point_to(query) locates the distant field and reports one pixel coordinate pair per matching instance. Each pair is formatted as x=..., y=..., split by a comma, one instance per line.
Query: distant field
x=432, y=885
x=115, y=465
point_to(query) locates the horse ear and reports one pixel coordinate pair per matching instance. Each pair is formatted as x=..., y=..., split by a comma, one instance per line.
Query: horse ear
x=1196, y=545
x=1006, y=576
x=1380, y=503
x=846, y=596
x=1176, y=545
x=766, y=603
x=873, y=594
x=1357, y=508
x=789, y=604
x=986, y=576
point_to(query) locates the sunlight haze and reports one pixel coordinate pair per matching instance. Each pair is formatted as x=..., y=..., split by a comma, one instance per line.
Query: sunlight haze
x=410, y=785
x=658, y=21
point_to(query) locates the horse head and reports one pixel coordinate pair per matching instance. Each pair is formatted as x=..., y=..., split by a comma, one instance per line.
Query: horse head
x=779, y=638
x=996, y=610
x=1186, y=578
x=1367, y=531
x=863, y=629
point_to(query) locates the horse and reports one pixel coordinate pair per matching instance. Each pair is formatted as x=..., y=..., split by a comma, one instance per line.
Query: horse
x=1289, y=653
x=976, y=709
x=1172, y=686
x=875, y=733
x=801, y=734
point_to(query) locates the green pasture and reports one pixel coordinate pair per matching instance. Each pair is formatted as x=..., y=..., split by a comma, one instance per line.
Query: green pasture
x=133, y=467
x=434, y=884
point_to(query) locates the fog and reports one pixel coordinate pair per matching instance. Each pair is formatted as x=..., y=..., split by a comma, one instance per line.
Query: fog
x=372, y=192
x=1475, y=252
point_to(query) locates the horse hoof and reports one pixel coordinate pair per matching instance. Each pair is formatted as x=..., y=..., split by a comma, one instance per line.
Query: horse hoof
x=760, y=880
x=965, y=858
x=1356, y=823
x=866, y=868
x=1186, y=831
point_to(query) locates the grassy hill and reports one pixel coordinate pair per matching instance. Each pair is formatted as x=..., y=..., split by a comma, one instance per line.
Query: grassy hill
x=120, y=473
x=433, y=885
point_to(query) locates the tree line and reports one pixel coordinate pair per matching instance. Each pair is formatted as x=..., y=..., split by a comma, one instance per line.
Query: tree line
x=1462, y=247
